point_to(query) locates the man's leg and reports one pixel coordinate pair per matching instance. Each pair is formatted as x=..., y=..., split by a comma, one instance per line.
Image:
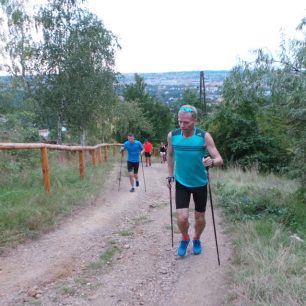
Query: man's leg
x=198, y=230
x=136, y=167
x=182, y=220
x=200, y=199
x=199, y=224
x=131, y=176
x=182, y=199
x=183, y=225
x=136, y=177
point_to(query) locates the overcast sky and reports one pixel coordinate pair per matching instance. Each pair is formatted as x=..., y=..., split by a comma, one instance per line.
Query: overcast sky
x=186, y=35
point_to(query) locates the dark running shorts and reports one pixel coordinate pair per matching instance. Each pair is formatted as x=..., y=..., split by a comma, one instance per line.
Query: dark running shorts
x=147, y=154
x=132, y=167
x=183, y=193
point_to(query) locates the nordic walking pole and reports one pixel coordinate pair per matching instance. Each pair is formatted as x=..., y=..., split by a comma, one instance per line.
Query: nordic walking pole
x=170, y=194
x=120, y=170
x=144, y=181
x=213, y=216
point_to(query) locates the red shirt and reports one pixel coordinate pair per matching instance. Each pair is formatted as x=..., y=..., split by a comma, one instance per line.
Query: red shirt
x=148, y=147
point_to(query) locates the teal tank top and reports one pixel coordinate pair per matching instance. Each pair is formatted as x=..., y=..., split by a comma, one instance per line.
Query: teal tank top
x=188, y=154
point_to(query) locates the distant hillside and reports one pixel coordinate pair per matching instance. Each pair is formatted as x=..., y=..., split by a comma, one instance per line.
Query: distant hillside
x=169, y=86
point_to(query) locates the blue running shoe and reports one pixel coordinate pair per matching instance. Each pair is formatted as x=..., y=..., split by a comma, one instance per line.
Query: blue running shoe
x=182, y=249
x=132, y=189
x=137, y=183
x=197, y=248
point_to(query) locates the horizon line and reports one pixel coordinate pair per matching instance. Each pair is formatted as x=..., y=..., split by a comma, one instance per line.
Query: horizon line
x=172, y=71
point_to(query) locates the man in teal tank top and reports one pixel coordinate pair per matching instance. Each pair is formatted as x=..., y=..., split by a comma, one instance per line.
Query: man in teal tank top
x=190, y=152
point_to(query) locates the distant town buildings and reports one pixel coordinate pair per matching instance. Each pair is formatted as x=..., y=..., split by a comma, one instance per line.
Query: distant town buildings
x=170, y=86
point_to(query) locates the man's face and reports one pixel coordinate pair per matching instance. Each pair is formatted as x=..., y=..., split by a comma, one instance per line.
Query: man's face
x=186, y=121
x=131, y=139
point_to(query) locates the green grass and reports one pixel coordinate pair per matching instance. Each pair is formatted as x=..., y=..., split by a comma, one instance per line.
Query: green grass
x=262, y=213
x=26, y=210
x=106, y=257
x=248, y=196
x=68, y=290
x=125, y=233
x=141, y=219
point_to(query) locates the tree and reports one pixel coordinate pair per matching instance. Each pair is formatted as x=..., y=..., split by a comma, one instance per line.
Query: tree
x=130, y=119
x=68, y=68
x=17, y=26
x=237, y=124
x=263, y=116
x=76, y=71
x=156, y=115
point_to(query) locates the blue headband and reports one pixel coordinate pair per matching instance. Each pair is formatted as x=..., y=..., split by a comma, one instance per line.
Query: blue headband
x=187, y=109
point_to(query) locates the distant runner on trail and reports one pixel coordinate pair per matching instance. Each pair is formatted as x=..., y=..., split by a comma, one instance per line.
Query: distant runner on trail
x=162, y=152
x=148, y=148
x=134, y=149
x=187, y=148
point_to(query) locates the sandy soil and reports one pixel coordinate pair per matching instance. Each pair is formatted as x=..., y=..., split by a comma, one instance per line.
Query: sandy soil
x=69, y=266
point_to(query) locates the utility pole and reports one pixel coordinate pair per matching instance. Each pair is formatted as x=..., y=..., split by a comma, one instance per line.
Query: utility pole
x=202, y=92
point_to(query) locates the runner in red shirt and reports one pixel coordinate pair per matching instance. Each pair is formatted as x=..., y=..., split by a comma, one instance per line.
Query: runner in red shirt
x=148, y=148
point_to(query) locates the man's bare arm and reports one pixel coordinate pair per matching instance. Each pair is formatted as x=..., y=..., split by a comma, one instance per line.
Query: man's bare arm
x=215, y=158
x=170, y=156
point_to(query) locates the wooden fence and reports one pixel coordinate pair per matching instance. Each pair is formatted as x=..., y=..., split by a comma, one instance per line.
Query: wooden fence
x=95, y=152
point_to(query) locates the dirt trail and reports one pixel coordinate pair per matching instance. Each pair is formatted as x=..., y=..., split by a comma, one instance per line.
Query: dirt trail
x=69, y=265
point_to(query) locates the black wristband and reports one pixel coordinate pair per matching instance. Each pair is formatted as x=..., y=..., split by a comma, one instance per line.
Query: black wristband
x=170, y=179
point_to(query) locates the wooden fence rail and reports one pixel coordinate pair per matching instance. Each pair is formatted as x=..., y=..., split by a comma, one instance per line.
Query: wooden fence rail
x=95, y=152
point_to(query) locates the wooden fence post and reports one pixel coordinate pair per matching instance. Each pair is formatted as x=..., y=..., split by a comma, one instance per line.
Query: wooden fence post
x=45, y=168
x=105, y=153
x=99, y=155
x=82, y=163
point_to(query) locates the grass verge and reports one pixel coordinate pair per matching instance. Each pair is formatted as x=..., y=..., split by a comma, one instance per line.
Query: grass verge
x=266, y=216
x=26, y=210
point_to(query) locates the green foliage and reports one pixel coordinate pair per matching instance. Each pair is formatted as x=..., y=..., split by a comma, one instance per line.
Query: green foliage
x=16, y=34
x=295, y=218
x=156, y=116
x=136, y=91
x=81, y=51
x=265, y=201
x=69, y=72
x=266, y=217
x=262, y=120
x=249, y=204
x=159, y=115
x=241, y=139
x=18, y=127
x=130, y=119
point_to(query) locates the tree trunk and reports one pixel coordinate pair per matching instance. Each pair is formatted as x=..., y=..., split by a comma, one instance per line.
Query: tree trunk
x=82, y=138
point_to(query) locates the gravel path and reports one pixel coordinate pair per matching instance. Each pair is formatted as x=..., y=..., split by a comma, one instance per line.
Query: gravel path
x=117, y=251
